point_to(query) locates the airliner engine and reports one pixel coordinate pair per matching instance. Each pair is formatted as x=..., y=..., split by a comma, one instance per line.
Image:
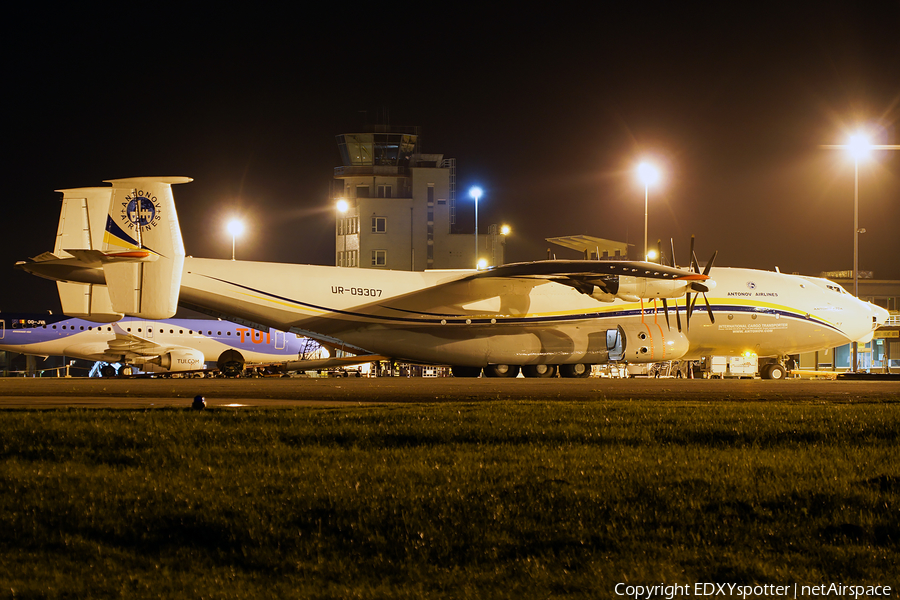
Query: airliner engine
x=184, y=359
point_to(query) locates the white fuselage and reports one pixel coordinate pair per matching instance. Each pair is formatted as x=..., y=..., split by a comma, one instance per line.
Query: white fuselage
x=507, y=320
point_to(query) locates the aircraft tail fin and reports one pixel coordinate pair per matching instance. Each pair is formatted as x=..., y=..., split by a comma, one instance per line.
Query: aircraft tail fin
x=131, y=232
x=87, y=301
x=142, y=247
x=81, y=224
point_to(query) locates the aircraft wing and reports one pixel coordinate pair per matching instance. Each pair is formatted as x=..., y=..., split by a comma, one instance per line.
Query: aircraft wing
x=132, y=346
x=590, y=269
x=506, y=291
x=328, y=363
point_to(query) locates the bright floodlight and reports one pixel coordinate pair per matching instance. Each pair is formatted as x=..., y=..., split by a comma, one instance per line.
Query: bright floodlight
x=648, y=173
x=505, y=230
x=235, y=227
x=482, y=264
x=859, y=146
x=475, y=192
x=342, y=206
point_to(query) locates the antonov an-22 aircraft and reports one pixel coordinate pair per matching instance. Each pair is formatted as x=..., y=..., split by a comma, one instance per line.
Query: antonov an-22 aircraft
x=170, y=346
x=119, y=251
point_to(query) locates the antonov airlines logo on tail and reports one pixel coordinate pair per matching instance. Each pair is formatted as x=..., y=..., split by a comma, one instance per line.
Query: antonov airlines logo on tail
x=141, y=210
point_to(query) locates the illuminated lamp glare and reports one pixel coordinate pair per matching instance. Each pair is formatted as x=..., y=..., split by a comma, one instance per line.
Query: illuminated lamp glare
x=235, y=227
x=859, y=146
x=647, y=173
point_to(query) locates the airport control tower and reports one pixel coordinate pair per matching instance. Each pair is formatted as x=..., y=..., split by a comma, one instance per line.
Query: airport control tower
x=395, y=207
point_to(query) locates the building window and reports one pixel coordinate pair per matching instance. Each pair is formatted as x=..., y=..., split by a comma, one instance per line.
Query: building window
x=379, y=224
x=379, y=258
x=384, y=191
x=362, y=191
x=347, y=258
x=348, y=226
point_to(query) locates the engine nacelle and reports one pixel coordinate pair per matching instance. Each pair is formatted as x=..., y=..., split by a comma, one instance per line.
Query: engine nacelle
x=632, y=289
x=180, y=360
x=653, y=342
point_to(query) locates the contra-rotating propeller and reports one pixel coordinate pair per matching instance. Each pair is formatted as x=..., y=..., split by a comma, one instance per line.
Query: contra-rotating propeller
x=697, y=287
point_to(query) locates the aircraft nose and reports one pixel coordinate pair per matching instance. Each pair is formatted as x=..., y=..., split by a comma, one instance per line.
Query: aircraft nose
x=879, y=315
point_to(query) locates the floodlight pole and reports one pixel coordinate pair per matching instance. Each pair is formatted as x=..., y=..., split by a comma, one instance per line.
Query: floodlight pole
x=855, y=346
x=646, y=196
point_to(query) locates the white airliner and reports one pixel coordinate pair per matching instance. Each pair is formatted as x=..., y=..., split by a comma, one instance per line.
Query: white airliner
x=170, y=346
x=119, y=251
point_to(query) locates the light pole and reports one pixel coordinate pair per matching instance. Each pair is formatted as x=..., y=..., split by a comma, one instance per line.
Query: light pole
x=235, y=228
x=649, y=175
x=859, y=147
x=475, y=192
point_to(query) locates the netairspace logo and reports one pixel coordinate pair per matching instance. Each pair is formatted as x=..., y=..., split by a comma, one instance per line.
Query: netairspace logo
x=735, y=590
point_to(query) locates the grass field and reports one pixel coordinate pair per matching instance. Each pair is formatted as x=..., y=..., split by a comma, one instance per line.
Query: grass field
x=475, y=500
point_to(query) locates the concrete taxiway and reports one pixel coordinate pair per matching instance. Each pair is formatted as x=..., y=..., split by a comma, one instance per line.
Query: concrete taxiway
x=19, y=393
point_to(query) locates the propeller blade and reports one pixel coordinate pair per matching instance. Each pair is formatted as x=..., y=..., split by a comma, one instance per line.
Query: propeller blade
x=699, y=287
x=692, y=257
x=690, y=308
x=712, y=319
x=710, y=263
x=666, y=310
x=659, y=252
x=672, y=241
x=677, y=316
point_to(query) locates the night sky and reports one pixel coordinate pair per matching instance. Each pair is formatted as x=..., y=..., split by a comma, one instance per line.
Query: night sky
x=548, y=110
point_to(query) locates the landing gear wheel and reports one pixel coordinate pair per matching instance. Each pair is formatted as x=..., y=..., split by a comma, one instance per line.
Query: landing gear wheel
x=465, y=371
x=501, y=371
x=539, y=371
x=107, y=371
x=775, y=371
x=579, y=371
x=230, y=363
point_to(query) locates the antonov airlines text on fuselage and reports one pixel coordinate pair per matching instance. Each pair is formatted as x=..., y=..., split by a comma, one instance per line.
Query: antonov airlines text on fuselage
x=541, y=317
